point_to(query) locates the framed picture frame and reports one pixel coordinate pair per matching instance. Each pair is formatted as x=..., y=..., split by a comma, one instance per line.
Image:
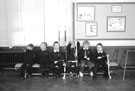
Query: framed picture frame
x=85, y=13
x=91, y=29
x=116, y=8
x=116, y=23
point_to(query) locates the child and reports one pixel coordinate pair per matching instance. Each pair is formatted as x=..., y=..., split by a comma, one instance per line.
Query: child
x=72, y=64
x=28, y=61
x=71, y=51
x=43, y=57
x=100, y=60
x=57, y=58
x=85, y=57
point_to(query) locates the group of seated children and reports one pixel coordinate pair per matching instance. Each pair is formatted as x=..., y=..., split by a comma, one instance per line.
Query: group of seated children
x=56, y=60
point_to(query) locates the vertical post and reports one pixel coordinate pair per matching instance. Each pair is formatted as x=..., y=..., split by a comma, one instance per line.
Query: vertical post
x=44, y=17
x=65, y=40
x=59, y=35
x=65, y=36
x=108, y=62
x=125, y=65
x=74, y=18
x=76, y=53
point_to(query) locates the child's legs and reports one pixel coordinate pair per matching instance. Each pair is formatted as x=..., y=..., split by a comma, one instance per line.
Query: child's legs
x=61, y=68
x=29, y=68
x=69, y=67
x=22, y=70
x=82, y=65
x=58, y=68
x=105, y=68
x=96, y=64
x=90, y=65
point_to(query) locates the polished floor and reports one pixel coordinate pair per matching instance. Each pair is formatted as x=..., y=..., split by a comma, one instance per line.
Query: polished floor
x=10, y=81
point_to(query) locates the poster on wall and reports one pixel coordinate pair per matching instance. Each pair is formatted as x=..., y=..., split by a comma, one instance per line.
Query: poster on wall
x=85, y=13
x=116, y=8
x=91, y=29
x=116, y=23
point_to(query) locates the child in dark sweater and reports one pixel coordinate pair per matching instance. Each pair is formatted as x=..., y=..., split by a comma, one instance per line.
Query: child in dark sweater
x=58, y=59
x=85, y=57
x=28, y=62
x=100, y=60
x=43, y=58
x=72, y=63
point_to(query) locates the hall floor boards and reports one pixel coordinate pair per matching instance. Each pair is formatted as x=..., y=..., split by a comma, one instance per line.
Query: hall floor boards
x=10, y=81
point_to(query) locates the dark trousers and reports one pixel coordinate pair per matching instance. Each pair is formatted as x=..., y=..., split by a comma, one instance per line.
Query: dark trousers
x=58, y=68
x=103, y=65
x=26, y=68
x=85, y=62
x=45, y=68
x=72, y=67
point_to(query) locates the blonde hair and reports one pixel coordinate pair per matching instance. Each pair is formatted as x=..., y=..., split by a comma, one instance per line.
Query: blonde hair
x=86, y=42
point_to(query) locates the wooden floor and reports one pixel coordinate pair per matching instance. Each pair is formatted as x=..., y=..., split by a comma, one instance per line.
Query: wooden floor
x=10, y=81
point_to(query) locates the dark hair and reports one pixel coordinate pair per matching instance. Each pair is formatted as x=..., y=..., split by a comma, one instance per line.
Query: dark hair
x=30, y=45
x=44, y=43
x=100, y=44
x=56, y=42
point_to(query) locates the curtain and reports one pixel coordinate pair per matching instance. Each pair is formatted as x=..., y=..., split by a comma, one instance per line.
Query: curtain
x=32, y=21
x=35, y=21
x=58, y=21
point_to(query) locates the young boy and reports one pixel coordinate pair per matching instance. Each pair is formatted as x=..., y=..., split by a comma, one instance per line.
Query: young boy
x=100, y=60
x=43, y=58
x=28, y=61
x=85, y=57
x=57, y=58
x=72, y=64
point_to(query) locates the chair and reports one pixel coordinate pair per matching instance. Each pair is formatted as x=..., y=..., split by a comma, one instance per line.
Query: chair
x=73, y=67
x=126, y=63
x=57, y=67
x=100, y=67
x=18, y=66
x=108, y=63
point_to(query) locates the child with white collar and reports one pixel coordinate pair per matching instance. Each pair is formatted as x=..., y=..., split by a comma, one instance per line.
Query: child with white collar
x=57, y=57
x=100, y=60
x=85, y=57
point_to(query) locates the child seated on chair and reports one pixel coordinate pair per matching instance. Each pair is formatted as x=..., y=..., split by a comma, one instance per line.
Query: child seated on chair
x=85, y=58
x=43, y=58
x=72, y=63
x=28, y=62
x=100, y=60
x=58, y=59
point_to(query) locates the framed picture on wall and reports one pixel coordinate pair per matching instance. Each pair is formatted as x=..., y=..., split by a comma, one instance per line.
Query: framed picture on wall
x=116, y=23
x=116, y=8
x=85, y=13
x=91, y=29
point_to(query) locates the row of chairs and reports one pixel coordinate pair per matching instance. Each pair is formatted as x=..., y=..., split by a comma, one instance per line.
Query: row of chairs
x=75, y=64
